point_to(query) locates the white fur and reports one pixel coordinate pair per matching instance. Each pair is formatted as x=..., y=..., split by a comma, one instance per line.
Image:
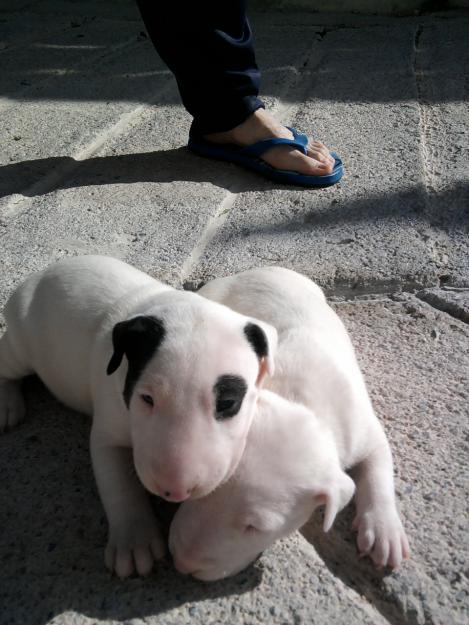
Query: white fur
x=297, y=447
x=59, y=326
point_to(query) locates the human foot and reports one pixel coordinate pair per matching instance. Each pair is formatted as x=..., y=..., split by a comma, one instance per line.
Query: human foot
x=262, y=125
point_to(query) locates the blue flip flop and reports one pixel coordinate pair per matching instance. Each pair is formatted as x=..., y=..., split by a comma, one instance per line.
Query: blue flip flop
x=249, y=157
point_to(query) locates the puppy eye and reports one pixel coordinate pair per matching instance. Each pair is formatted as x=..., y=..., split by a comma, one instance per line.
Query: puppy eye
x=148, y=399
x=225, y=404
x=250, y=529
x=226, y=408
x=229, y=391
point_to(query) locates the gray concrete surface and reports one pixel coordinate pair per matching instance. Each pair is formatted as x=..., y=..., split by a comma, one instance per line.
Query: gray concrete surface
x=92, y=160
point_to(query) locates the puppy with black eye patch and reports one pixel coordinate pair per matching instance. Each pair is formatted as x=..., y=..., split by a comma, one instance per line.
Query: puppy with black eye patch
x=170, y=378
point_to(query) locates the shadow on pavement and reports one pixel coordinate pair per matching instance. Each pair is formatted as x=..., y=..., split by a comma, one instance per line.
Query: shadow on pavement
x=40, y=176
x=338, y=551
x=67, y=60
x=53, y=531
x=448, y=210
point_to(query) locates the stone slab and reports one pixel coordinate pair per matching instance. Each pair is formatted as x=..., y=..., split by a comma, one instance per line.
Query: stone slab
x=377, y=230
x=384, y=7
x=20, y=27
x=453, y=301
x=103, y=9
x=61, y=48
x=74, y=107
x=441, y=56
x=139, y=223
x=415, y=360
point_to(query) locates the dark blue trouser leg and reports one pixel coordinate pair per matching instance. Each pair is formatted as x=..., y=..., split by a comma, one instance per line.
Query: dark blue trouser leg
x=208, y=46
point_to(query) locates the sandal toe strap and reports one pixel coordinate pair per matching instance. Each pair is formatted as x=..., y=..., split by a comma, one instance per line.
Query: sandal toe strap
x=299, y=141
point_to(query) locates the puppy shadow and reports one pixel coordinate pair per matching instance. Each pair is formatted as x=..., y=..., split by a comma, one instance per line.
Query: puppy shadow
x=53, y=531
x=339, y=553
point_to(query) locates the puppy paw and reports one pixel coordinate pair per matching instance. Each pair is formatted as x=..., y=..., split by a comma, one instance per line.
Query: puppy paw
x=12, y=408
x=134, y=546
x=381, y=537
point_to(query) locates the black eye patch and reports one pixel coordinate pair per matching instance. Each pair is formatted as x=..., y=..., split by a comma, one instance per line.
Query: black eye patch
x=229, y=391
x=138, y=339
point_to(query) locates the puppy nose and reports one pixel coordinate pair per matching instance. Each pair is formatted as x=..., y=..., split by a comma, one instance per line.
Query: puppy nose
x=174, y=494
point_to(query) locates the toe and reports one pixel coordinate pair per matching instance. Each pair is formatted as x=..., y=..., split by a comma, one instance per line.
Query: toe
x=124, y=565
x=109, y=555
x=290, y=159
x=365, y=540
x=314, y=167
x=16, y=413
x=143, y=560
x=405, y=547
x=308, y=165
x=322, y=156
x=158, y=549
x=395, y=553
x=12, y=406
x=317, y=146
x=380, y=553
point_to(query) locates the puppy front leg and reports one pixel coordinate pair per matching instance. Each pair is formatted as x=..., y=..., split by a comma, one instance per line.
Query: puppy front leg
x=380, y=531
x=12, y=408
x=135, y=540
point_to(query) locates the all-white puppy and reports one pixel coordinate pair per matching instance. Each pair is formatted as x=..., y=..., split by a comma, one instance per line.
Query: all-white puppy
x=170, y=378
x=298, y=444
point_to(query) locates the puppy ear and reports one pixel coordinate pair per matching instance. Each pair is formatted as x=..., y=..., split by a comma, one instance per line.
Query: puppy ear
x=118, y=345
x=335, y=495
x=137, y=337
x=263, y=338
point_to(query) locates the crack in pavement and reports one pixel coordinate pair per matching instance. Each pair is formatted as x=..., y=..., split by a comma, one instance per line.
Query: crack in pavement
x=436, y=301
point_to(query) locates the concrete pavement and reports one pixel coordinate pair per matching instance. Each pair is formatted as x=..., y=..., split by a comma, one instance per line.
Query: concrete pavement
x=92, y=160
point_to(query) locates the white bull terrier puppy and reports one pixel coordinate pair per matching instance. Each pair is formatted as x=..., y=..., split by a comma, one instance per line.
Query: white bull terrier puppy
x=298, y=444
x=175, y=412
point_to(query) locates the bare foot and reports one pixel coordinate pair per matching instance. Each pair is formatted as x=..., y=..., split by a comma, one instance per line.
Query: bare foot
x=261, y=125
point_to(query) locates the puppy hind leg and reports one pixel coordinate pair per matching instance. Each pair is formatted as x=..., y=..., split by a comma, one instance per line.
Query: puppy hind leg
x=12, y=408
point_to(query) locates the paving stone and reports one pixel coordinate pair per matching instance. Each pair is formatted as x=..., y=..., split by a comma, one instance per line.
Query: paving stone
x=373, y=231
x=453, y=301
